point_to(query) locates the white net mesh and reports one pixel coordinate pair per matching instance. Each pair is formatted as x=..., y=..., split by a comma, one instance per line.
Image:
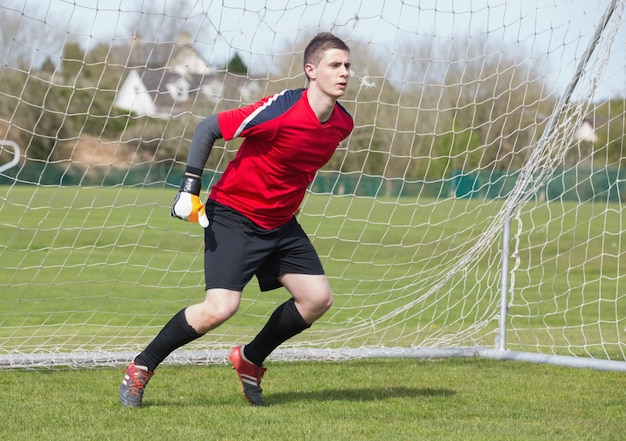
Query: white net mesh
x=466, y=115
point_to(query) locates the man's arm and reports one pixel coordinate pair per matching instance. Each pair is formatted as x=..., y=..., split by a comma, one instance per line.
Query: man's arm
x=205, y=135
x=187, y=204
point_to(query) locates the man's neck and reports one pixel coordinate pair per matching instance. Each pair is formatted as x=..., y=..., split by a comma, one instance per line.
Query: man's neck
x=321, y=103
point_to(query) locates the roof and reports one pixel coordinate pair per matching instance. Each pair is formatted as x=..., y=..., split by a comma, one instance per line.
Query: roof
x=158, y=92
x=186, y=80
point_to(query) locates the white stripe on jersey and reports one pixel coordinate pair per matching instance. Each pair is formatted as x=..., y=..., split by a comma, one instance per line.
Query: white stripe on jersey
x=250, y=117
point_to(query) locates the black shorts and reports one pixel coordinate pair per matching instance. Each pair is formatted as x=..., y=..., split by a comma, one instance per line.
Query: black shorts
x=235, y=249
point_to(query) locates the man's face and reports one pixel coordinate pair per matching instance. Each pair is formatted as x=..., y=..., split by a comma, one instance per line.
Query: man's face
x=331, y=74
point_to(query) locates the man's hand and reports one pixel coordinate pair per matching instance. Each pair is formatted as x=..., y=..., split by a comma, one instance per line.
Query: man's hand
x=187, y=205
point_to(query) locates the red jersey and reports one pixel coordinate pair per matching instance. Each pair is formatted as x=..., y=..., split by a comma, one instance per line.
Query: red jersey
x=285, y=145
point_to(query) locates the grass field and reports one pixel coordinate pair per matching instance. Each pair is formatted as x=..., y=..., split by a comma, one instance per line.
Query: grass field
x=105, y=267
x=85, y=268
x=99, y=266
x=358, y=400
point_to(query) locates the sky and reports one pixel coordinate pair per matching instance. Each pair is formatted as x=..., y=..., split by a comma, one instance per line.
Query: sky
x=554, y=33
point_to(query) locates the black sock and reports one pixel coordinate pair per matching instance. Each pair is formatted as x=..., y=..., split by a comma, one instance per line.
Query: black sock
x=176, y=333
x=283, y=324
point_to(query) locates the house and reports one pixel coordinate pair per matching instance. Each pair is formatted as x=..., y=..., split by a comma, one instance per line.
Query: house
x=184, y=82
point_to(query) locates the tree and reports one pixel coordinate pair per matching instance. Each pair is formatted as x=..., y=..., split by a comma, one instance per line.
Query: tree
x=491, y=97
x=158, y=32
x=237, y=66
x=72, y=62
x=21, y=33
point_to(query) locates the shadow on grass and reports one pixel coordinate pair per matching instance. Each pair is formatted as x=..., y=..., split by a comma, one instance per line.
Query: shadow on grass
x=325, y=395
x=359, y=394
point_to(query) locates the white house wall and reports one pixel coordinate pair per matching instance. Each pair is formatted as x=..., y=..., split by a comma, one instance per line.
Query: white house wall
x=134, y=97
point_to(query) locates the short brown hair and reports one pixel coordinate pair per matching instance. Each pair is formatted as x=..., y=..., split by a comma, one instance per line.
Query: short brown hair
x=320, y=43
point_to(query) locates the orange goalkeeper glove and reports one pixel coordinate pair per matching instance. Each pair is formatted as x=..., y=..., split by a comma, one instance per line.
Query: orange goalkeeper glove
x=187, y=205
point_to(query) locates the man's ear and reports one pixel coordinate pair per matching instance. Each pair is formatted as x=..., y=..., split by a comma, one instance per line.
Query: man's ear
x=309, y=70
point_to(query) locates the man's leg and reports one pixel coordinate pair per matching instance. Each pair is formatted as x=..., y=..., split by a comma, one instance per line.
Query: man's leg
x=311, y=298
x=187, y=325
x=176, y=333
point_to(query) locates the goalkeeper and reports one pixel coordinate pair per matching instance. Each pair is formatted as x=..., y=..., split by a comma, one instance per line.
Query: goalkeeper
x=249, y=217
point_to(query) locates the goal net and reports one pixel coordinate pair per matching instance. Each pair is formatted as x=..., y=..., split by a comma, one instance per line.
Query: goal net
x=478, y=207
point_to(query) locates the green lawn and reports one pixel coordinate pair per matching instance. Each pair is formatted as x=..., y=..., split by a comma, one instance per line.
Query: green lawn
x=85, y=268
x=458, y=399
x=104, y=268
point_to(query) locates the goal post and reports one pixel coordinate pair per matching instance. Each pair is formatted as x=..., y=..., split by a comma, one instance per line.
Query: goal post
x=477, y=209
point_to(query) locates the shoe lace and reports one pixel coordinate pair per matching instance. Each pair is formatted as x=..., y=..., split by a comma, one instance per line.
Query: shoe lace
x=139, y=378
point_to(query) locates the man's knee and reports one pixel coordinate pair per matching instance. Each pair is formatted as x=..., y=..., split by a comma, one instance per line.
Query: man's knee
x=218, y=306
x=315, y=306
x=218, y=312
x=325, y=301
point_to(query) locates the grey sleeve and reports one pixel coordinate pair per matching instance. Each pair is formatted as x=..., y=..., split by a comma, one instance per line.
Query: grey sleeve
x=204, y=136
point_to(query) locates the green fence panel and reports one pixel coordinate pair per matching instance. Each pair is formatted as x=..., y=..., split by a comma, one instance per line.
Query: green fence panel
x=575, y=184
